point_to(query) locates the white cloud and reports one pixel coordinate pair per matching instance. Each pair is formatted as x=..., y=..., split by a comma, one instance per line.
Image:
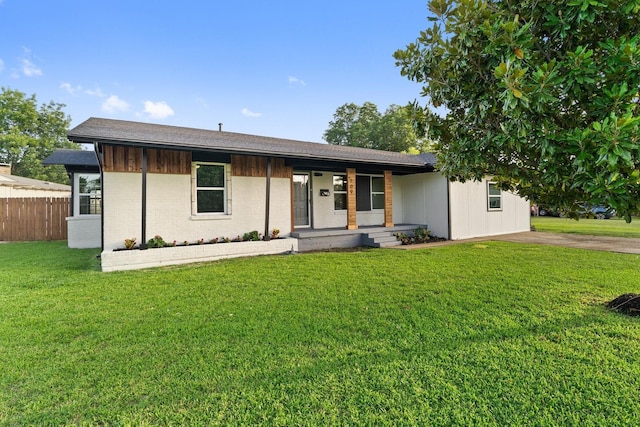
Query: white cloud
x=1, y=61
x=248, y=113
x=113, y=104
x=98, y=92
x=72, y=90
x=29, y=69
x=293, y=81
x=158, y=110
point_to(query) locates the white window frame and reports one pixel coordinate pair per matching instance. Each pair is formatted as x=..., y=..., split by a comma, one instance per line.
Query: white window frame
x=339, y=191
x=376, y=192
x=493, y=197
x=195, y=188
x=95, y=196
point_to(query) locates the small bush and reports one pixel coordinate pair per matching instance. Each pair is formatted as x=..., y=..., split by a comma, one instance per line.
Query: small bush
x=156, y=242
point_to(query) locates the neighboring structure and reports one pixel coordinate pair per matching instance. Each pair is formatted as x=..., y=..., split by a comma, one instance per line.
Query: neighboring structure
x=12, y=186
x=84, y=225
x=190, y=184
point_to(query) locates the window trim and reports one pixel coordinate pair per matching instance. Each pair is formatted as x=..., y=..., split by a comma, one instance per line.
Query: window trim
x=335, y=192
x=97, y=197
x=371, y=192
x=491, y=197
x=195, y=189
x=379, y=193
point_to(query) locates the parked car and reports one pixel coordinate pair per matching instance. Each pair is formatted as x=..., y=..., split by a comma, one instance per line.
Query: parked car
x=545, y=211
x=598, y=212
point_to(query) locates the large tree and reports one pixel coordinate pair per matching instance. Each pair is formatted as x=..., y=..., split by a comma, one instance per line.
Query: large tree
x=541, y=94
x=364, y=126
x=29, y=133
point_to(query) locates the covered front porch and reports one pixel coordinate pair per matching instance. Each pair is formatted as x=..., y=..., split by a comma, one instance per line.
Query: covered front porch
x=328, y=238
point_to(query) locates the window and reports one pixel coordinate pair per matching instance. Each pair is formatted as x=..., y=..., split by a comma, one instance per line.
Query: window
x=210, y=188
x=369, y=192
x=88, y=194
x=377, y=192
x=494, y=197
x=340, y=192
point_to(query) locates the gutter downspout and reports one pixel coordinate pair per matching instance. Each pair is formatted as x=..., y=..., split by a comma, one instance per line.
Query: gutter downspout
x=448, y=208
x=267, y=236
x=96, y=149
x=143, y=243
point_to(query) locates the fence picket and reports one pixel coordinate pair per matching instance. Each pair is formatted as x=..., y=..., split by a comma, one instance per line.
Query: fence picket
x=34, y=218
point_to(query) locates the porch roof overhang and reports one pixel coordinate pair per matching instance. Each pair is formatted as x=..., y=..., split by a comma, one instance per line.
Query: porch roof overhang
x=73, y=160
x=298, y=154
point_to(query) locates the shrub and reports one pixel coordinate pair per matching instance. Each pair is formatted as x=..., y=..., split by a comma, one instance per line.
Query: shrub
x=130, y=243
x=156, y=242
x=251, y=236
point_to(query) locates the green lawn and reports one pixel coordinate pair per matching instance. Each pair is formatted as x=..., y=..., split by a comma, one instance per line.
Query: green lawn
x=615, y=227
x=490, y=333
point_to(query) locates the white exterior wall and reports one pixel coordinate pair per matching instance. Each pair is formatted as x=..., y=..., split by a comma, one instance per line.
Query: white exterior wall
x=471, y=218
x=83, y=231
x=423, y=200
x=8, y=191
x=169, y=208
x=324, y=215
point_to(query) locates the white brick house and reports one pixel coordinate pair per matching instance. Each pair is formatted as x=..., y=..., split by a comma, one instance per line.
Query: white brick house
x=190, y=184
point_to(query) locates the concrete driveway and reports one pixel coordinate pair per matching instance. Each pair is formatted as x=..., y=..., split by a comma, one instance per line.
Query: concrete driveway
x=598, y=243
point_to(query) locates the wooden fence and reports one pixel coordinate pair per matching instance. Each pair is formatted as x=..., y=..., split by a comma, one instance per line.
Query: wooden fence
x=34, y=218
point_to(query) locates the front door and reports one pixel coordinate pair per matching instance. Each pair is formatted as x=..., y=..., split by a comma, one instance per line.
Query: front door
x=301, y=208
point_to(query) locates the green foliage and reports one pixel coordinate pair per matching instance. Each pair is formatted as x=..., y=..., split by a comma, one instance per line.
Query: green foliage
x=29, y=134
x=419, y=235
x=156, y=242
x=442, y=336
x=251, y=236
x=364, y=126
x=541, y=94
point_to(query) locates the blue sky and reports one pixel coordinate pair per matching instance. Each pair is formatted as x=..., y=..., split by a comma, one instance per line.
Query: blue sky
x=275, y=68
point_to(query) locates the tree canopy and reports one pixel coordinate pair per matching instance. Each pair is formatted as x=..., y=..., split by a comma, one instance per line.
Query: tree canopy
x=364, y=126
x=29, y=133
x=541, y=94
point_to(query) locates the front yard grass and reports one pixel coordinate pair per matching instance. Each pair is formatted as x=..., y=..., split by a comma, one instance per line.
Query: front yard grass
x=615, y=227
x=490, y=333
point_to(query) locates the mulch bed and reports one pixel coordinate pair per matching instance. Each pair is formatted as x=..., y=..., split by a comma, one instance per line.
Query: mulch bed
x=627, y=304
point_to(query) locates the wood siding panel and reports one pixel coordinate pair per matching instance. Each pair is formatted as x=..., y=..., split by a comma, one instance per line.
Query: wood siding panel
x=33, y=218
x=129, y=159
x=255, y=166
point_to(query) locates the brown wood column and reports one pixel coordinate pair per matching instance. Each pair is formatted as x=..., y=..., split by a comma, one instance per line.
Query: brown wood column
x=388, y=199
x=352, y=223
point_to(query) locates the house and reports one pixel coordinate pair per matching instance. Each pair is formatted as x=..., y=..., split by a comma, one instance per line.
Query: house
x=12, y=186
x=84, y=225
x=189, y=184
x=32, y=209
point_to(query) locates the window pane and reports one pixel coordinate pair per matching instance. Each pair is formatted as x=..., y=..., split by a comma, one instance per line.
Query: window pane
x=85, y=203
x=339, y=201
x=339, y=183
x=493, y=190
x=210, y=176
x=494, y=202
x=378, y=201
x=88, y=183
x=377, y=184
x=210, y=201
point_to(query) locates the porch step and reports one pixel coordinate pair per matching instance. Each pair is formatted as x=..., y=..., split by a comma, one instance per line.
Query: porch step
x=385, y=238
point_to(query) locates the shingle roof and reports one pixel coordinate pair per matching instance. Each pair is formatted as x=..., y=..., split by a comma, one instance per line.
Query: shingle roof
x=155, y=135
x=67, y=157
x=29, y=183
